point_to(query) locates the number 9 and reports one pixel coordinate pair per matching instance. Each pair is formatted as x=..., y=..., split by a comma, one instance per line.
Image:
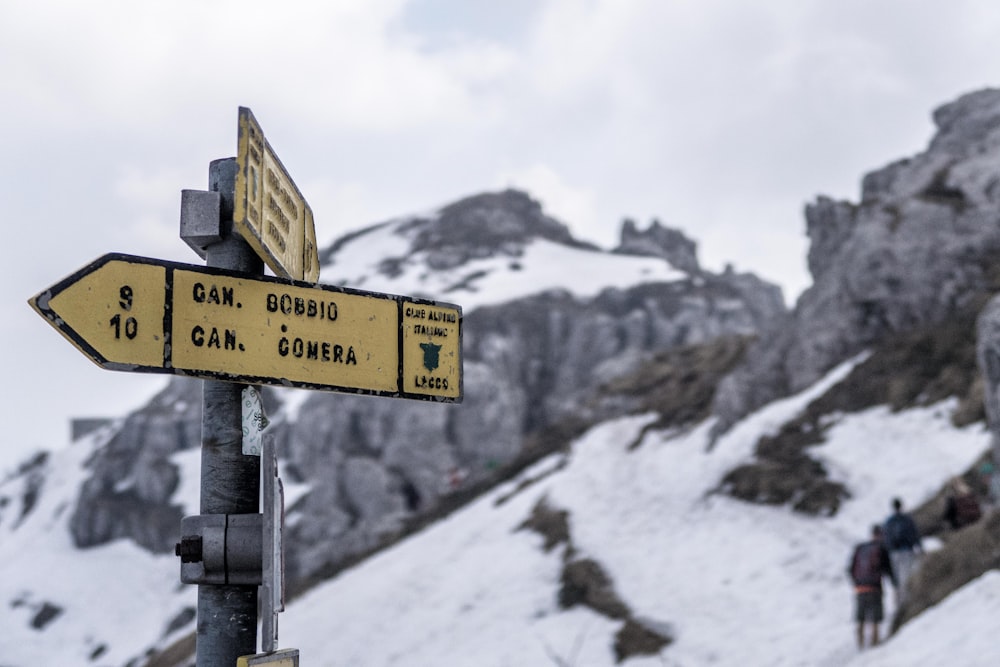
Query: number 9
x=126, y=297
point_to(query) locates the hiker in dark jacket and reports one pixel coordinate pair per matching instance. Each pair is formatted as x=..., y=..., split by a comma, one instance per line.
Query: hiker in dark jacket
x=869, y=564
x=902, y=539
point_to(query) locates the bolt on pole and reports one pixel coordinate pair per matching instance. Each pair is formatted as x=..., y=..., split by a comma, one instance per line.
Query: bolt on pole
x=230, y=480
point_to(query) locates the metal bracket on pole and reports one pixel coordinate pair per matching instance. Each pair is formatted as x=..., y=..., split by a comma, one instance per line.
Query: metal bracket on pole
x=221, y=549
x=200, y=220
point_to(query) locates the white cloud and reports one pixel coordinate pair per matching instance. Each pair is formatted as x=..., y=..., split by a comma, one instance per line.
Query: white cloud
x=342, y=63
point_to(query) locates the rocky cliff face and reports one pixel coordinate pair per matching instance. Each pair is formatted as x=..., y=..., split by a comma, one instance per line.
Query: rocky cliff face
x=920, y=246
x=366, y=466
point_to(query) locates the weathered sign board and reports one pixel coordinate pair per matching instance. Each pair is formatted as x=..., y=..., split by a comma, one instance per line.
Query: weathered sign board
x=145, y=315
x=288, y=657
x=269, y=212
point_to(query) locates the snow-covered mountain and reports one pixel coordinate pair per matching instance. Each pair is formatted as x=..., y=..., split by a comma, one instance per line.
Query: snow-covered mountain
x=653, y=464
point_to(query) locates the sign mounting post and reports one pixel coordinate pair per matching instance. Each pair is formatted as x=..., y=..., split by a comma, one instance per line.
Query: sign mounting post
x=230, y=481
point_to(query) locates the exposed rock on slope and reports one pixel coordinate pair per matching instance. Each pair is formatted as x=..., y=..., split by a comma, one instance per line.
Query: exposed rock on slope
x=129, y=493
x=660, y=241
x=906, y=370
x=585, y=582
x=968, y=554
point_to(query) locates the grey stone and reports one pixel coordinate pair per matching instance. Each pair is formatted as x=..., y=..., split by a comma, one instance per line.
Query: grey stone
x=660, y=241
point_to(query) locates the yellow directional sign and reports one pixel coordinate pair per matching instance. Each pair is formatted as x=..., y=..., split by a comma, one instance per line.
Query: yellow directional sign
x=137, y=314
x=288, y=657
x=269, y=211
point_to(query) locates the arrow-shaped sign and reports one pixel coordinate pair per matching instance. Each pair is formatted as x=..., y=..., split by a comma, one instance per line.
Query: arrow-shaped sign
x=144, y=315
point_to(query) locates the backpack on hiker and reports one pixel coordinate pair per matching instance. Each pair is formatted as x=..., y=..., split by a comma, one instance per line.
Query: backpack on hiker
x=901, y=532
x=896, y=536
x=866, y=567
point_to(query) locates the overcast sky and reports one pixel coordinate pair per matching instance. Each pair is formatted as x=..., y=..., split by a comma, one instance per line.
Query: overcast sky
x=722, y=118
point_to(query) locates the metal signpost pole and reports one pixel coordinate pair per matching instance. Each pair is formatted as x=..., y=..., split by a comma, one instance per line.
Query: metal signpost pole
x=230, y=480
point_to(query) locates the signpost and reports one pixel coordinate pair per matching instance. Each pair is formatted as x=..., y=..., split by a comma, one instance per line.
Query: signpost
x=232, y=326
x=144, y=315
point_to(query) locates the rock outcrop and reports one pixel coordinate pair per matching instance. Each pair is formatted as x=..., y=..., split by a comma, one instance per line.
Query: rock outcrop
x=132, y=482
x=660, y=241
x=922, y=244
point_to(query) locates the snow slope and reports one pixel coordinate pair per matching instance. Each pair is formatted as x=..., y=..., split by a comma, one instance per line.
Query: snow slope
x=738, y=584
x=114, y=600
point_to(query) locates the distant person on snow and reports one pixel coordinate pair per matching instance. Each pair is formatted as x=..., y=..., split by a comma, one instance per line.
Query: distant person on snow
x=902, y=539
x=869, y=564
x=961, y=506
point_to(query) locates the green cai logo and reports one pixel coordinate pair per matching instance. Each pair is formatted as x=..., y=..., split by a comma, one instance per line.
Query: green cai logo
x=431, y=352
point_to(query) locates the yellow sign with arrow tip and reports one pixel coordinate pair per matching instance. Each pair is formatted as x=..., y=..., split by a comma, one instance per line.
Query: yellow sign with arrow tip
x=138, y=314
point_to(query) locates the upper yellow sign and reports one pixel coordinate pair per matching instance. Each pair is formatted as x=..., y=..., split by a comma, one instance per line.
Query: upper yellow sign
x=269, y=212
x=137, y=314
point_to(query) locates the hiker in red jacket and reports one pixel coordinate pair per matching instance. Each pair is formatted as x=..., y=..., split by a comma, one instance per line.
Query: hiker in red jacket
x=869, y=564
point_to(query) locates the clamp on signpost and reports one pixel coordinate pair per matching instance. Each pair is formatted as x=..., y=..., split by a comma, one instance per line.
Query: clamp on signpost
x=201, y=225
x=221, y=549
x=242, y=549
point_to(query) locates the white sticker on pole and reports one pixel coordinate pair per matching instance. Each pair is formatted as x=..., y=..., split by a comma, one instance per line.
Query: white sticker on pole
x=254, y=422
